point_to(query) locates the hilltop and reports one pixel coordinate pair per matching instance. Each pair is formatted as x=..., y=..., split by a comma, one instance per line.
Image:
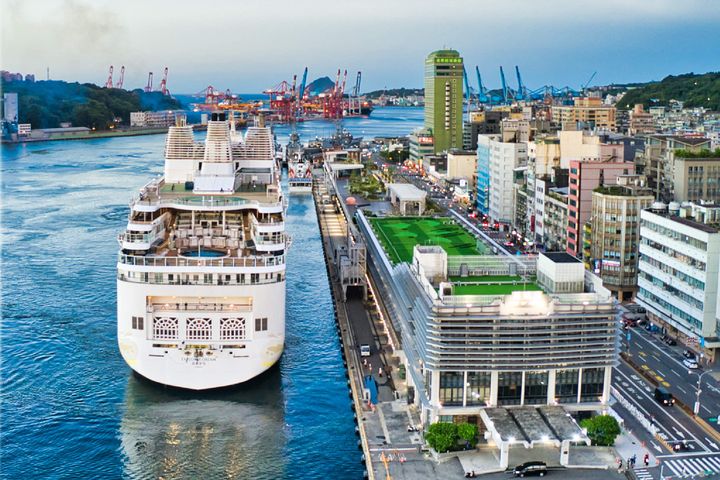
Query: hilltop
x=692, y=89
x=395, y=92
x=45, y=104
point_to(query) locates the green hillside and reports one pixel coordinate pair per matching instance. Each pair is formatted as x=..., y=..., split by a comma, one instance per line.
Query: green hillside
x=694, y=90
x=45, y=104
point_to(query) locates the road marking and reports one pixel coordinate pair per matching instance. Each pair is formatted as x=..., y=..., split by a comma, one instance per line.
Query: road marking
x=681, y=389
x=706, y=409
x=712, y=444
x=689, y=435
x=677, y=431
x=660, y=373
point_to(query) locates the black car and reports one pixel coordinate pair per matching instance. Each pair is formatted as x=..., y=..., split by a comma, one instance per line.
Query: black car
x=689, y=354
x=528, y=469
x=670, y=341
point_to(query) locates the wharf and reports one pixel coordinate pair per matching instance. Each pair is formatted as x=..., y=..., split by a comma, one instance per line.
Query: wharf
x=91, y=134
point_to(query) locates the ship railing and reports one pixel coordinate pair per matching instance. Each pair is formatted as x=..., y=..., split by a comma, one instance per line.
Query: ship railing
x=252, y=261
x=265, y=223
x=201, y=201
x=198, y=307
x=137, y=237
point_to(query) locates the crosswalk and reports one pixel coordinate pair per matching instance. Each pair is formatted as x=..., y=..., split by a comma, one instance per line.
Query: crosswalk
x=687, y=467
x=643, y=474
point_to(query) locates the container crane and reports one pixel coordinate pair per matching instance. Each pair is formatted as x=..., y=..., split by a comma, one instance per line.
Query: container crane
x=109, y=82
x=302, y=84
x=148, y=87
x=163, y=83
x=522, y=91
x=122, y=77
x=504, y=85
x=482, y=92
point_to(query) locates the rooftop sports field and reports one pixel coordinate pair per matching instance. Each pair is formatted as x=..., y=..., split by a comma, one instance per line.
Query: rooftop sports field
x=495, y=288
x=399, y=235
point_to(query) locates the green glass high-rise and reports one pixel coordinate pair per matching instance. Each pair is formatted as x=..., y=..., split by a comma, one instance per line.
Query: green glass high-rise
x=444, y=98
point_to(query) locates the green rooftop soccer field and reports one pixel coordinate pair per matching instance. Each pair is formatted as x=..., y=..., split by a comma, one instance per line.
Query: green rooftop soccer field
x=399, y=235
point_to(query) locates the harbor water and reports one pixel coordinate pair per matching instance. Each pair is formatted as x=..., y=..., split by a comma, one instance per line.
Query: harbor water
x=71, y=408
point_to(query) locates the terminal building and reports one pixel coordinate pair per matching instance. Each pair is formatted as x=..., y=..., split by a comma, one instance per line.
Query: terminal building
x=487, y=336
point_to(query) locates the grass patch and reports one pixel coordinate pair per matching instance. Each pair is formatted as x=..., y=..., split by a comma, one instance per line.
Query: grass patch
x=494, y=288
x=486, y=278
x=399, y=235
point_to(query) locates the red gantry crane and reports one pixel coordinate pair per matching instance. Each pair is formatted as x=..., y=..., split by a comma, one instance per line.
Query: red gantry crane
x=122, y=77
x=109, y=82
x=163, y=83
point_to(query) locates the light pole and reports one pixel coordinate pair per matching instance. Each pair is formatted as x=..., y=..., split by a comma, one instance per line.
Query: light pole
x=696, y=408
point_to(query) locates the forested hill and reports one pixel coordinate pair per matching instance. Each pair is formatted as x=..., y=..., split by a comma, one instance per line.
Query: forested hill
x=45, y=104
x=701, y=90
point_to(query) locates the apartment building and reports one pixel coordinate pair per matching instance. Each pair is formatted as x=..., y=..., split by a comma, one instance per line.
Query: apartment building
x=588, y=112
x=500, y=159
x=612, y=246
x=679, y=268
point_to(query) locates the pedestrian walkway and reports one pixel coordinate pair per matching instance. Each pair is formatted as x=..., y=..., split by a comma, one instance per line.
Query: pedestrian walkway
x=643, y=474
x=688, y=467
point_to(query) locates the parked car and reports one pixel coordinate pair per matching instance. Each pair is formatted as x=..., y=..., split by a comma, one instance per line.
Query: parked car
x=689, y=354
x=364, y=350
x=690, y=363
x=530, y=468
x=664, y=397
x=635, y=308
x=670, y=341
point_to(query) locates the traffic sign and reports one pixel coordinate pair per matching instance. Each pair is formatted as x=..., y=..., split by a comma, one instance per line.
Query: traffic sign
x=713, y=419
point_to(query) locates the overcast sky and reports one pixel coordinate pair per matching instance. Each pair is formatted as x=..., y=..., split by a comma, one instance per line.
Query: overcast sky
x=250, y=45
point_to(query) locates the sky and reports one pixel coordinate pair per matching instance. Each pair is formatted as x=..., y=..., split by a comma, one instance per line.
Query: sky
x=251, y=45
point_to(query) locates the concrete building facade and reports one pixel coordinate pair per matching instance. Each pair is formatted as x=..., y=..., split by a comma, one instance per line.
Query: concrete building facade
x=502, y=159
x=679, y=269
x=588, y=112
x=615, y=234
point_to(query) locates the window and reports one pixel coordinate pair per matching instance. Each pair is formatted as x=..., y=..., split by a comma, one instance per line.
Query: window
x=566, y=386
x=536, y=388
x=165, y=328
x=478, y=388
x=509, y=388
x=451, y=388
x=261, y=324
x=232, y=329
x=593, y=382
x=138, y=323
x=198, y=329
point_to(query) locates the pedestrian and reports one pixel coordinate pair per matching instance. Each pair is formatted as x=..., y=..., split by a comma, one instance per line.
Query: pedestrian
x=646, y=459
x=380, y=372
x=370, y=367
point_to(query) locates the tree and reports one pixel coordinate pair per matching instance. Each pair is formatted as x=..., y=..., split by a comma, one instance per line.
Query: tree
x=602, y=430
x=442, y=436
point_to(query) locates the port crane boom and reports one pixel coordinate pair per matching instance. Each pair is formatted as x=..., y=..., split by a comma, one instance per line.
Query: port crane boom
x=122, y=77
x=148, y=87
x=109, y=82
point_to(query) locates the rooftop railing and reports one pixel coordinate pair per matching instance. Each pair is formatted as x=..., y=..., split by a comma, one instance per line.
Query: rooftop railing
x=254, y=261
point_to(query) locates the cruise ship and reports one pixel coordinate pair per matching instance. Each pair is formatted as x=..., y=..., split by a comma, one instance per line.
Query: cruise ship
x=201, y=267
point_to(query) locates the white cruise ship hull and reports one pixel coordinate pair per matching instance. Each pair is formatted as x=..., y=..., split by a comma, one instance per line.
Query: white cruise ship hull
x=208, y=363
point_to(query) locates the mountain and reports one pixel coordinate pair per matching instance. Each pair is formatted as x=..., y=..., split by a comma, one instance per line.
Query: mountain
x=320, y=85
x=45, y=104
x=701, y=90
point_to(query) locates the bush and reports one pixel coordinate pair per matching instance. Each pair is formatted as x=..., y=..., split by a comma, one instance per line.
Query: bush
x=442, y=436
x=602, y=430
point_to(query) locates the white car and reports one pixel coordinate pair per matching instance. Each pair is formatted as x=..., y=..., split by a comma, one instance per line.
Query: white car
x=364, y=350
x=690, y=363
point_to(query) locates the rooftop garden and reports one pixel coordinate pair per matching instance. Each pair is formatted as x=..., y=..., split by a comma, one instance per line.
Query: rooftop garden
x=399, y=235
x=611, y=190
x=702, y=153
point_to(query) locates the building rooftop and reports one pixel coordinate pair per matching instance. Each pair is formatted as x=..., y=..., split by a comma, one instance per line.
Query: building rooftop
x=399, y=235
x=561, y=257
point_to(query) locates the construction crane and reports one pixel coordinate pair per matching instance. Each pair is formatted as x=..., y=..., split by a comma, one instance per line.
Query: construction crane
x=122, y=77
x=109, y=82
x=582, y=89
x=163, y=83
x=357, y=84
x=522, y=91
x=504, y=85
x=148, y=87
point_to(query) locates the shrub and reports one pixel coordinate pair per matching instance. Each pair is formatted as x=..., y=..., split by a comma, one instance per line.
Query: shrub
x=442, y=436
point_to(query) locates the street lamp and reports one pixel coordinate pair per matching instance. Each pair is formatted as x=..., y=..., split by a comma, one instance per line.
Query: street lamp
x=696, y=408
